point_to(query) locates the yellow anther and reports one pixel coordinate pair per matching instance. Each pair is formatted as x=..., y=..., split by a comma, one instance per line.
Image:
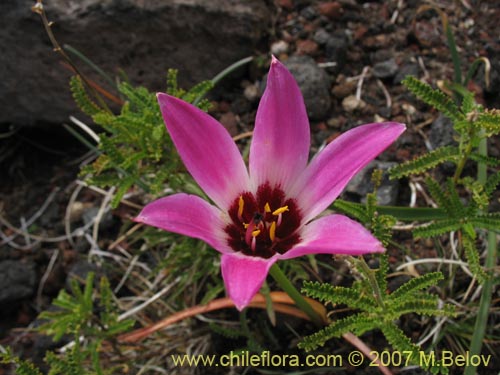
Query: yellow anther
x=280, y=210
x=245, y=225
x=255, y=232
x=267, y=207
x=241, y=204
x=272, y=231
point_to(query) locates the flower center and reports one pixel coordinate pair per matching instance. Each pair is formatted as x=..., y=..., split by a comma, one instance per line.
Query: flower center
x=263, y=224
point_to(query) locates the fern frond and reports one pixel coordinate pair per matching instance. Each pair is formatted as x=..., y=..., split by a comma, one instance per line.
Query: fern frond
x=439, y=195
x=403, y=344
x=82, y=99
x=479, y=197
x=486, y=221
x=434, y=98
x=23, y=367
x=488, y=160
x=381, y=273
x=337, y=294
x=491, y=183
x=472, y=256
x=437, y=228
x=457, y=208
x=489, y=121
x=422, y=306
x=356, y=211
x=416, y=284
x=425, y=162
x=336, y=329
x=382, y=227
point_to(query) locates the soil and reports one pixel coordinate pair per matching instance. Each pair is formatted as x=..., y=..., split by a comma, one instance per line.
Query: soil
x=377, y=42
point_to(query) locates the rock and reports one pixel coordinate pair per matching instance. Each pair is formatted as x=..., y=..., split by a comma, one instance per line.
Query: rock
x=309, y=13
x=80, y=270
x=336, y=50
x=321, y=36
x=230, y=122
x=387, y=193
x=252, y=92
x=385, y=69
x=17, y=280
x=144, y=38
x=351, y=103
x=442, y=133
x=314, y=85
x=344, y=88
x=331, y=9
x=306, y=47
x=106, y=222
x=410, y=69
x=279, y=47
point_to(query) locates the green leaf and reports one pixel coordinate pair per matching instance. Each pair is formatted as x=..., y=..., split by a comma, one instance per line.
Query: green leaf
x=437, y=228
x=416, y=284
x=336, y=329
x=423, y=163
x=337, y=294
x=434, y=98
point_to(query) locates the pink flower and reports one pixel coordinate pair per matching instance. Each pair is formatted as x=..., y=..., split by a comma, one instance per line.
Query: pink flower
x=267, y=212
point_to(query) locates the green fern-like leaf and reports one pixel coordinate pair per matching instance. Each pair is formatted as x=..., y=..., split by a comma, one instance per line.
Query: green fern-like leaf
x=422, y=306
x=472, y=256
x=425, y=162
x=491, y=183
x=488, y=160
x=337, y=294
x=437, y=228
x=486, y=221
x=23, y=367
x=381, y=273
x=336, y=329
x=82, y=99
x=434, y=98
x=356, y=211
x=417, y=284
x=400, y=342
x=489, y=121
x=480, y=199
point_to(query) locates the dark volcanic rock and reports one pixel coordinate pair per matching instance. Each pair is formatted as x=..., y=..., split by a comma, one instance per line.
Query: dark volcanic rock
x=17, y=280
x=144, y=38
x=387, y=192
x=314, y=85
x=442, y=132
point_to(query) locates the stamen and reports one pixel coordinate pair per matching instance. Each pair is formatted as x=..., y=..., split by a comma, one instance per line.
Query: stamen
x=254, y=242
x=280, y=210
x=255, y=233
x=248, y=234
x=279, y=213
x=272, y=231
x=241, y=204
x=267, y=207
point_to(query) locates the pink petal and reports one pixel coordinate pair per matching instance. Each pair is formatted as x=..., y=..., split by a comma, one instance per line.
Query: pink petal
x=335, y=234
x=188, y=215
x=330, y=171
x=281, y=138
x=243, y=276
x=207, y=150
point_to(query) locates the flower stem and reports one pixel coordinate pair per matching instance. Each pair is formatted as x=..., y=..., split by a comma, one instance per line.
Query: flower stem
x=370, y=275
x=294, y=294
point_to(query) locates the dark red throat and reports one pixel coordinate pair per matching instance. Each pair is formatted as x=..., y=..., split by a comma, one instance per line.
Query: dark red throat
x=263, y=224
